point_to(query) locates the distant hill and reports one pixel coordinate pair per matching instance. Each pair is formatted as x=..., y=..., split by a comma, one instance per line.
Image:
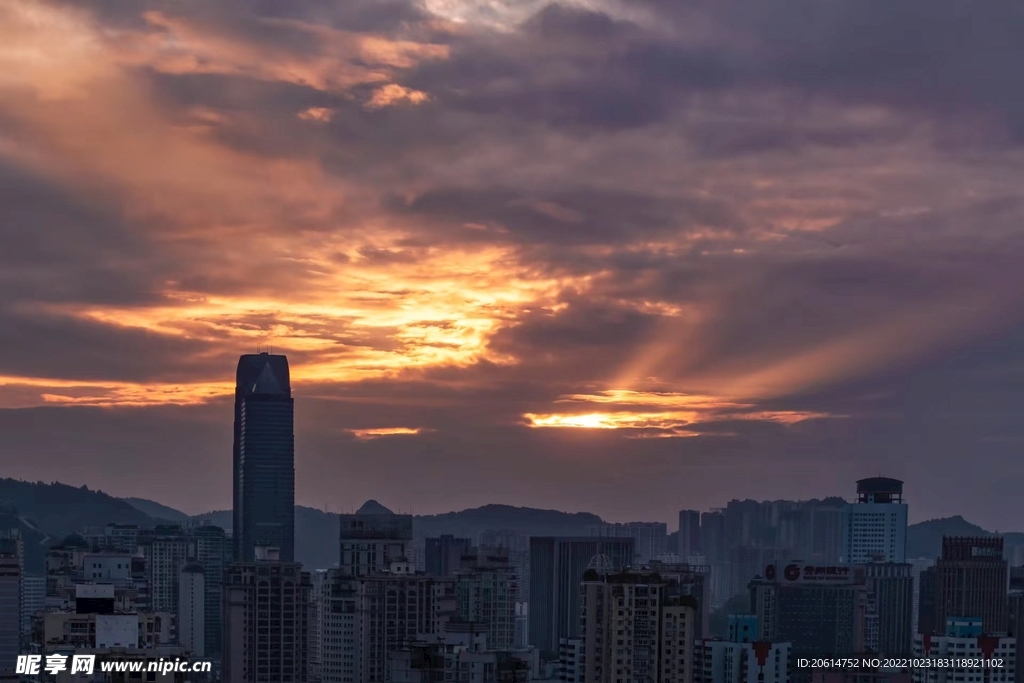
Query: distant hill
x=925, y=538
x=156, y=510
x=60, y=509
x=46, y=513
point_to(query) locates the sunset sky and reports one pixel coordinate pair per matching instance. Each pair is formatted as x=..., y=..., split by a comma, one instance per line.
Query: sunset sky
x=622, y=256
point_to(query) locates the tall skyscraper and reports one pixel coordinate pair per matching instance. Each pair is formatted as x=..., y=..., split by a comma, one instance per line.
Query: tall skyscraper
x=557, y=565
x=689, y=535
x=971, y=581
x=166, y=549
x=875, y=527
x=264, y=457
x=486, y=586
x=267, y=610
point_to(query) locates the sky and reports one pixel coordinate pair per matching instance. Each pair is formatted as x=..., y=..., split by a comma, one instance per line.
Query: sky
x=620, y=256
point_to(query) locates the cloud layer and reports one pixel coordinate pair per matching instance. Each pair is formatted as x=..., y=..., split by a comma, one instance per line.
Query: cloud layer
x=503, y=244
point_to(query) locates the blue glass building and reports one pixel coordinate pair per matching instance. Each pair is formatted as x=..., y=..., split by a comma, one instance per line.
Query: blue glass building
x=264, y=457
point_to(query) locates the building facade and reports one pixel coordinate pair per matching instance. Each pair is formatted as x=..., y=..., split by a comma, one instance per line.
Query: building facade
x=964, y=640
x=267, y=609
x=192, y=609
x=875, y=527
x=557, y=565
x=637, y=627
x=263, y=457
x=10, y=605
x=971, y=580
x=443, y=555
x=889, y=622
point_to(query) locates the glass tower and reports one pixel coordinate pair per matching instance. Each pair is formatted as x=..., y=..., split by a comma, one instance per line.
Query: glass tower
x=264, y=458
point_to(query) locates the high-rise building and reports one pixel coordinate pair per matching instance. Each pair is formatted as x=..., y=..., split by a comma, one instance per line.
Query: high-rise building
x=818, y=610
x=192, y=609
x=364, y=618
x=210, y=547
x=926, y=611
x=372, y=541
x=444, y=554
x=264, y=457
x=971, y=581
x=875, y=527
x=166, y=549
x=890, y=614
x=689, y=535
x=650, y=538
x=637, y=627
x=486, y=589
x=557, y=565
x=712, y=547
x=964, y=640
x=267, y=609
x=10, y=606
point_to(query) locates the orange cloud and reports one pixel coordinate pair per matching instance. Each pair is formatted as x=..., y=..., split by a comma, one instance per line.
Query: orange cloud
x=658, y=414
x=392, y=94
x=384, y=431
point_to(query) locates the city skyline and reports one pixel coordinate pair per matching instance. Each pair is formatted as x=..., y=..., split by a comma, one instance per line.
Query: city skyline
x=581, y=256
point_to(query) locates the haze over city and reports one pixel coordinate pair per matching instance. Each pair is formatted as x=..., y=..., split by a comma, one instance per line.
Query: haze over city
x=625, y=257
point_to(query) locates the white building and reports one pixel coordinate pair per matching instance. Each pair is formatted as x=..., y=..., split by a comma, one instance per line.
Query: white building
x=192, y=609
x=965, y=642
x=875, y=527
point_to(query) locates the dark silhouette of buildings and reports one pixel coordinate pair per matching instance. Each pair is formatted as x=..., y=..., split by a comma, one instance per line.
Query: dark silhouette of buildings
x=557, y=566
x=971, y=581
x=889, y=629
x=689, y=535
x=264, y=457
x=444, y=554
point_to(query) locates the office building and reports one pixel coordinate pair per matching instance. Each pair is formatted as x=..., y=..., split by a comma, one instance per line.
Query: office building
x=192, y=609
x=557, y=565
x=373, y=541
x=875, y=527
x=818, y=610
x=919, y=565
x=688, y=543
x=444, y=555
x=637, y=627
x=889, y=620
x=267, y=609
x=10, y=605
x=650, y=539
x=964, y=638
x=971, y=580
x=264, y=457
x=743, y=628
